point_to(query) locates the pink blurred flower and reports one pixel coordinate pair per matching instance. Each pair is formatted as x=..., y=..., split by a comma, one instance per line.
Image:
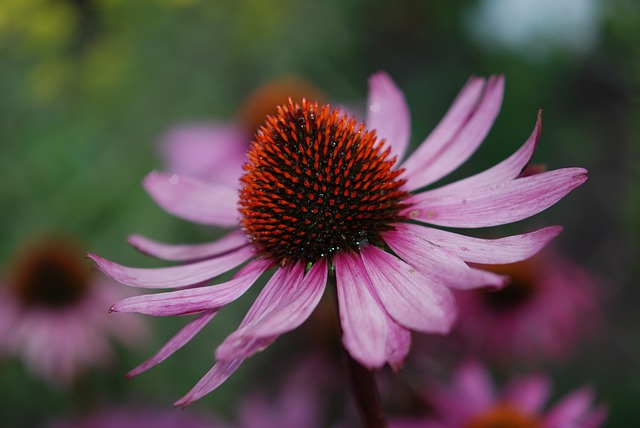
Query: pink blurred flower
x=323, y=198
x=473, y=401
x=216, y=150
x=53, y=313
x=547, y=307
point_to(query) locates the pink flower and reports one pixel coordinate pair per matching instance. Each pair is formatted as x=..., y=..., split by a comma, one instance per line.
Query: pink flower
x=53, y=313
x=549, y=304
x=324, y=199
x=472, y=401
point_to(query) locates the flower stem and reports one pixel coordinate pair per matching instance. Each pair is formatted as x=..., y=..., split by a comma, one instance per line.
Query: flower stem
x=365, y=393
x=362, y=381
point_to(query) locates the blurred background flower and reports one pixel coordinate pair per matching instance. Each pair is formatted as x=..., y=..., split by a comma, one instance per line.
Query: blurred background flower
x=52, y=313
x=90, y=87
x=544, y=312
x=471, y=399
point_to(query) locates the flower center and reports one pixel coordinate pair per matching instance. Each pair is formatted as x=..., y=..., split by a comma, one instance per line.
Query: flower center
x=50, y=275
x=503, y=416
x=317, y=182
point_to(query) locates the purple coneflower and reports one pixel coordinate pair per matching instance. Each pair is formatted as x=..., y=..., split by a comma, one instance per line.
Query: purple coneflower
x=325, y=199
x=473, y=401
x=547, y=306
x=53, y=312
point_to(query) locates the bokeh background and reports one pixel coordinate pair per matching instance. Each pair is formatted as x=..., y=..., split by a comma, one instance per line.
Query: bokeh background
x=87, y=88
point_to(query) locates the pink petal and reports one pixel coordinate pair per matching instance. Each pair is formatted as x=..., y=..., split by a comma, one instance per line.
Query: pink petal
x=175, y=276
x=209, y=151
x=215, y=377
x=398, y=344
x=171, y=252
x=292, y=309
x=176, y=342
x=528, y=394
x=194, y=200
x=506, y=170
x=499, y=204
x=485, y=251
x=363, y=320
x=473, y=382
x=278, y=285
x=197, y=299
x=388, y=113
x=438, y=264
x=576, y=410
x=410, y=298
x=290, y=302
x=458, y=135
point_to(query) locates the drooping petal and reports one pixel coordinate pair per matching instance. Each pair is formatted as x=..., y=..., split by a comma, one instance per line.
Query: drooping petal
x=194, y=200
x=363, y=320
x=292, y=309
x=172, y=252
x=388, y=113
x=282, y=280
x=282, y=306
x=505, y=250
x=196, y=299
x=409, y=297
x=506, y=170
x=175, y=276
x=438, y=264
x=215, y=377
x=176, y=342
x=458, y=135
x=498, y=204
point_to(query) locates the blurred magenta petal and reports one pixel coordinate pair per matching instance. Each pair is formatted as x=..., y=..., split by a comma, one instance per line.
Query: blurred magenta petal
x=175, y=276
x=208, y=151
x=189, y=252
x=388, y=114
x=176, y=342
x=471, y=399
x=194, y=200
x=500, y=204
x=576, y=410
x=528, y=394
